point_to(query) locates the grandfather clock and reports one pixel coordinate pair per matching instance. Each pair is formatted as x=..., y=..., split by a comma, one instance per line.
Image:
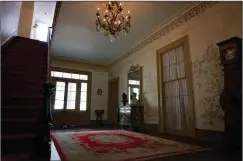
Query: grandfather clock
x=231, y=97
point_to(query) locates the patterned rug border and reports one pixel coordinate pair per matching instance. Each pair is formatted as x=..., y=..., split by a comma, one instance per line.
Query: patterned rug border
x=63, y=157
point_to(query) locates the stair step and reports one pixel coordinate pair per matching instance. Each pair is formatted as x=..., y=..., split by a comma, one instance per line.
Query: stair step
x=22, y=84
x=23, y=73
x=21, y=66
x=7, y=95
x=25, y=120
x=17, y=157
x=18, y=136
x=26, y=74
x=18, y=143
x=22, y=102
x=20, y=126
x=21, y=111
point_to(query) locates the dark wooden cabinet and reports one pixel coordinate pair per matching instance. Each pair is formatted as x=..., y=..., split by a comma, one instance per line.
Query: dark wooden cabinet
x=231, y=97
x=137, y=117
x=131, y=117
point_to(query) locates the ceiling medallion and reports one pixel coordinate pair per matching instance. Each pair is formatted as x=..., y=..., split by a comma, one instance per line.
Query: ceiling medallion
x=112, y=22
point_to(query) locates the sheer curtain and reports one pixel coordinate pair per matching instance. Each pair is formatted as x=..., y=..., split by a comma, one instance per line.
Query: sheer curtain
x=176, y=98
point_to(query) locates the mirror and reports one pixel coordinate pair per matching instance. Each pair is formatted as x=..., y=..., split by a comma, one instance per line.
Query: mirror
x=134, y=85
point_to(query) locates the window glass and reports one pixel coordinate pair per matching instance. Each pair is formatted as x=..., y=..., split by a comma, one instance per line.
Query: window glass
x=83, y=77
x=83, y=87
x=134, y=82
x=71, y=96
x=82, y=106
x=58, y=74
x=67, y=75
x=59, y=95
x=75, y=76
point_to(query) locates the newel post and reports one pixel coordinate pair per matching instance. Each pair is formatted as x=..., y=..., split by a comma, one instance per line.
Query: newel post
x=44, y=149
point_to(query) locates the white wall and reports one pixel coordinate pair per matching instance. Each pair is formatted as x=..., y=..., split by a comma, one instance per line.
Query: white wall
x=99, y=81
x=99, y=102
x=222, y=21
x=10, y=13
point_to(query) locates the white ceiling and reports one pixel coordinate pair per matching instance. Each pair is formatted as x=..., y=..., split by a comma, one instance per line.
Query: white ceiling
x=76, y=38
x=44, y=12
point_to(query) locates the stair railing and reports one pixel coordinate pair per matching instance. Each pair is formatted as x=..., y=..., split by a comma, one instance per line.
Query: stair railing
x=49, y=90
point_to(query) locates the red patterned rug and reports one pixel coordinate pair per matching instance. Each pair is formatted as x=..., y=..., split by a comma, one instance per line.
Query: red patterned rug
x=116, y=145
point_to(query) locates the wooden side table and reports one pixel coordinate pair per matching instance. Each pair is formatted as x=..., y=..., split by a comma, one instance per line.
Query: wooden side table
x=99, y=115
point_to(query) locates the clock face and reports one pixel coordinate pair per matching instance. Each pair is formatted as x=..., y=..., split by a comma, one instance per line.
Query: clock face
x=99, y=91
x=229, y=54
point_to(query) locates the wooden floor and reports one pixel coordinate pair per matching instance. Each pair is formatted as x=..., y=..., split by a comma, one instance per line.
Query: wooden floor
x=209, y=155
x=54, y=154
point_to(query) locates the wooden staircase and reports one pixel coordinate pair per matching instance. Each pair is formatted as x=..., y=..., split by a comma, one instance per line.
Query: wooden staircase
x=25, y=100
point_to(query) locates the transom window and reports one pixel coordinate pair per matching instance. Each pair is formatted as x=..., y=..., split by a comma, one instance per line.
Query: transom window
x=134, y=82
x=71, y=91
x=69, y=75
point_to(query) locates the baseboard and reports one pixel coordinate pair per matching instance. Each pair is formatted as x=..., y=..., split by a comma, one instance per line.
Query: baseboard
x=149, y=128
x=210, y=136
x=92, y=124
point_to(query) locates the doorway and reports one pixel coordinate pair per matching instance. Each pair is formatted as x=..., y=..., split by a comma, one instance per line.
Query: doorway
x=71, y=102
x=175, y=89
x=113, y=103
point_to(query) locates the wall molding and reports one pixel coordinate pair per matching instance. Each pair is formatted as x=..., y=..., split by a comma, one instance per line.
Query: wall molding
x=78, y=61
x=181, y=17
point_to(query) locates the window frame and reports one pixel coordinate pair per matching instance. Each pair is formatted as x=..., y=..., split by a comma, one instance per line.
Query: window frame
x=190, y=130
x=78, y=89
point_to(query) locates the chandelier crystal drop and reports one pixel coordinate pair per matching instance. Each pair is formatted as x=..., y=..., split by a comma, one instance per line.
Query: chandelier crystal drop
x=113, y=21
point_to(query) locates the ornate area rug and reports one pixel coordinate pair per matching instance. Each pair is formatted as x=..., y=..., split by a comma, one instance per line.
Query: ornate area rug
x=116, y=145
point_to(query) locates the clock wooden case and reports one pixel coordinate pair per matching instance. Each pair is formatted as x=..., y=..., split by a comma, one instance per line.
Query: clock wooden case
x=231, y=97
x=230, y=51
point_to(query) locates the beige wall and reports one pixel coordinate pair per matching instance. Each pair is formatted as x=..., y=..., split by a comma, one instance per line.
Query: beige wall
x=222, y=21
x=10, y=13
x=26, y=19
x=99, y=81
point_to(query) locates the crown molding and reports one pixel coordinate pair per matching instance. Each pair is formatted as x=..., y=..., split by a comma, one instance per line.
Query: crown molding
x=173, y=22
x=78, y=61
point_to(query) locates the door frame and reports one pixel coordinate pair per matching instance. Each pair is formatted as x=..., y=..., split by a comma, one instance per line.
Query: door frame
x=161, y=103
x=77, y=99
x=81, y=115
x=109, y=82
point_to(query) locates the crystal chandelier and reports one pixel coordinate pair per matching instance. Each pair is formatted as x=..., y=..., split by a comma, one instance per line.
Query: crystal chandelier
x=113, y=21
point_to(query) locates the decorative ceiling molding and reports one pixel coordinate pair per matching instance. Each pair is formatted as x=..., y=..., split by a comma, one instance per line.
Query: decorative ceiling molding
x=164, y=28
x=77, y=61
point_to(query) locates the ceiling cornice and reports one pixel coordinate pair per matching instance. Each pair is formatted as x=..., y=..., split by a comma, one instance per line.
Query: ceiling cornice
x=78, y=61
x=176, y=20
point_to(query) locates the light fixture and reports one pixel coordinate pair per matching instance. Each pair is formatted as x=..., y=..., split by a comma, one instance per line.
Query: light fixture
x=113, y=21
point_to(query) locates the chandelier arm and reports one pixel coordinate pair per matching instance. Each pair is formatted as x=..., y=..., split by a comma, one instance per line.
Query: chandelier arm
x=116, y=15
x=109, y=26
x=113, y=15
x=118, y=28
x=100, y=23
